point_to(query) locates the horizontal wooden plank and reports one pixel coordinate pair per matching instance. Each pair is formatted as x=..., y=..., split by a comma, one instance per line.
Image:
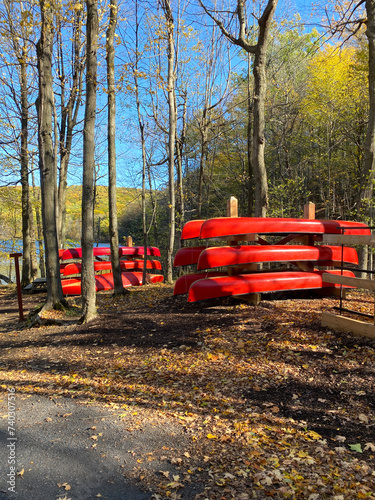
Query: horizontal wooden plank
x=349, y=239
x=344, y=324
x=349, y=281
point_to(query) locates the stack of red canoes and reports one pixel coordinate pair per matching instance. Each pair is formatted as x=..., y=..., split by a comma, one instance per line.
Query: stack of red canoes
x=131, y=262
x=240, y=276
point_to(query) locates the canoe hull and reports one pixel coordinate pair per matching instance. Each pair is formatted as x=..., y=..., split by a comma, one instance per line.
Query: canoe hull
x=76, y=267
x=247, y=254
x=105, y=282
x=244, y=284
x=76, y=253
x=191, y=229
x=231, y=226
x=187, y=256
x=183, y=283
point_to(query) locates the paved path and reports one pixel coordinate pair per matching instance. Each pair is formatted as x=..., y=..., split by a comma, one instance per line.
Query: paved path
x=68, y=450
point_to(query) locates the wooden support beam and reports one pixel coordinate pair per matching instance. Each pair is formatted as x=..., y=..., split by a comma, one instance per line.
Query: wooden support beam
x=251, y=298
x=344, y=324
x=349, y=239
x=129, y=241
x=309, y=213
x=349, y=281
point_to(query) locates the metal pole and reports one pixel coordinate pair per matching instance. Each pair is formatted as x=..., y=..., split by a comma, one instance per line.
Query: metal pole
x=18, y=279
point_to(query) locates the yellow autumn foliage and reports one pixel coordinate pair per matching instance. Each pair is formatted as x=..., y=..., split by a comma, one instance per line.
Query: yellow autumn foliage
x=337, y=85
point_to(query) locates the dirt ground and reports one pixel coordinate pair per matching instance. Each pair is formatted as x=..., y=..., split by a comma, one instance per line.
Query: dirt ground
x=272, y=404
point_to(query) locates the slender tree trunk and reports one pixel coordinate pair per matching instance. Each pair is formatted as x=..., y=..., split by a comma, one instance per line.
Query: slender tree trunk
x=171, y=135
x=249, y=141
x=203, y=158
x=69, y=117
x=39, y=228
x=113, y=226
x=33, y=257
x=88, y=276
x=180, y=178
x=26, y=237
x=46, y=161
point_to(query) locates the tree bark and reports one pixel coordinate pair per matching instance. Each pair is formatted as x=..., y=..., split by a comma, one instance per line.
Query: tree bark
x=88, y=276
x=172, y=129
x=112, y=207
x=69, y=117
x=55, y=296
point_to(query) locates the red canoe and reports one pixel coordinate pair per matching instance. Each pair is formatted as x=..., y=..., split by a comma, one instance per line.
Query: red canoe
x=244, y=284
x=76, y=253
x=246, y=254
x=191, y=229
x=183, y=283
x=187, y=256
x=76, y=267
x=105, y=282
x=153, y=251
x=234, y=226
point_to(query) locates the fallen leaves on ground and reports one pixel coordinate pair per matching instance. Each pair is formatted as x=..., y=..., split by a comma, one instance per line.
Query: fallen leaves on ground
x=273, y=404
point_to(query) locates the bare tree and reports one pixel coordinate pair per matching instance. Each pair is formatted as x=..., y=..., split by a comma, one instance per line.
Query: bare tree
x=259, y=50
x=88, y=275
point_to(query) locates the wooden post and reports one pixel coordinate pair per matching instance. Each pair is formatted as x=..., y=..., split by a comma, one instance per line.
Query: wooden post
x=232, y=207
x=309, y=210
x=309, y=213
x=129, y=241
x=18, y=279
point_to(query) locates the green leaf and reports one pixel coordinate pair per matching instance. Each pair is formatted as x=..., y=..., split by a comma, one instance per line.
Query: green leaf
x=356, y=447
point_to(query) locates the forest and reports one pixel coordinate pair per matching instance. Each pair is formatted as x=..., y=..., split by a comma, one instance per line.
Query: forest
x=134, y=118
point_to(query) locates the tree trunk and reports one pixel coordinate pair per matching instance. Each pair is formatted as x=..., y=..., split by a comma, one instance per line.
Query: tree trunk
x=112, y=207
x=26, y=237
x=249, y=141
x=260, y=87
x=171, y=135
x=55, y=296
x=69, y=117
x=259, y=71
x=39, y=228
x=203, y=158
x=180, y=142
x=88, y=276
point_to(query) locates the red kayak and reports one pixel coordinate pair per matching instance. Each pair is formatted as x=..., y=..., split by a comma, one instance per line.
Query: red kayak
x=105, y=282
x=187, y=256
x=244, y=284
x=105, y=265
x=246, y=254
x=183, y=283
x=76, y=253
x=233, y=226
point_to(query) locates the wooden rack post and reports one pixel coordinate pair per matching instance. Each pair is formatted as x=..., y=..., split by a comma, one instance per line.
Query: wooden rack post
x=18, y=279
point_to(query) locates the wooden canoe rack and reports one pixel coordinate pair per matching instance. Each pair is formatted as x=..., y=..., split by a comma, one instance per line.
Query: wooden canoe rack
x=339, y=322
